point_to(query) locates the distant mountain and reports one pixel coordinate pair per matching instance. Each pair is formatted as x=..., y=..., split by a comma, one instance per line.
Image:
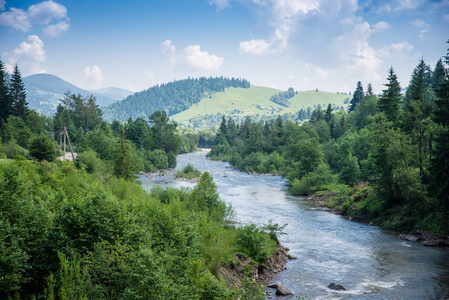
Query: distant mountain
x=44, y=92
x=113, y=93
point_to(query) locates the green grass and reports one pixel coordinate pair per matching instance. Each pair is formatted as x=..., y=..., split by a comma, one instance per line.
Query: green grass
x=239, y=102
x=311, y=98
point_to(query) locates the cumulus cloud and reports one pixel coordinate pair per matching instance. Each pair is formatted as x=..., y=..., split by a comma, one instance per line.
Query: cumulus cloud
x=192, y=57
x=282, y=17
x=2, y=4
x=202, y=59
x=398, y=50
x=48, y=13
x=29, y=55
x=169, y=52
x=57, y=29
x=93, y=74
x=256, y=47
x=381, y=26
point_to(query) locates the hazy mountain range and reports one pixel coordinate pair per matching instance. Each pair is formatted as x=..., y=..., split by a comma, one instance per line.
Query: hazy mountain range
x=44, y=92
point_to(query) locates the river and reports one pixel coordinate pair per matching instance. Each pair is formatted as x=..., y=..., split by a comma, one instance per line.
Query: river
x=369, y=262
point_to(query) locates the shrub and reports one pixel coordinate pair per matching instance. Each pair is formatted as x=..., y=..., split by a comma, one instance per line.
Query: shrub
x=42, y=148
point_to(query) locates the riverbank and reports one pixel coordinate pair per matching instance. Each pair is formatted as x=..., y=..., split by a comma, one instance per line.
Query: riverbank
x=351, y=206
x=261, y=273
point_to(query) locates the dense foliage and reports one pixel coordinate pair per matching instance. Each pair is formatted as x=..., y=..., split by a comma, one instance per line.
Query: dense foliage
x=282, y=98
x=66, y=234
x=172, y=97
x=385, y=161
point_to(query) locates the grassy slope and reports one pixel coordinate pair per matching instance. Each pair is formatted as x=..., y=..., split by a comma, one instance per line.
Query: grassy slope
x=246, y=100
x=311, y=98
x=233, y=98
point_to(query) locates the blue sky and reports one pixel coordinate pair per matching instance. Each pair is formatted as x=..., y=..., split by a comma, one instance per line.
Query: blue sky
x=304, y=44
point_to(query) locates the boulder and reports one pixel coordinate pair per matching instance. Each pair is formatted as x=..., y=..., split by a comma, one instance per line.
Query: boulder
x=409, y=237
x=432, y=241
x=335, y=286
x=280, y=289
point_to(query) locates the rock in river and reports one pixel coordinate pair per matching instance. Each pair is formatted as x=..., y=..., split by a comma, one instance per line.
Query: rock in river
x=280, y=289
x=335, y=286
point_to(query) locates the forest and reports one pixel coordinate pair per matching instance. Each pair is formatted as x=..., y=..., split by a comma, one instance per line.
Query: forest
x=385, y=161
x=88, y=230
x=172, y=97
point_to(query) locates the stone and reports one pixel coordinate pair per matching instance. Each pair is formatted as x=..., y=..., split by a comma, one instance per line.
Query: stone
x=274, y=285
x=335, y=286
x=432, y=241
x=282, y=290
x=409, y=237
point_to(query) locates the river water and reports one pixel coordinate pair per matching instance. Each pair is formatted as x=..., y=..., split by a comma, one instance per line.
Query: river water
x=369, y=262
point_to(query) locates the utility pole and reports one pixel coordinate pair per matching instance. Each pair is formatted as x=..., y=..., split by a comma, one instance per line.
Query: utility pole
x=66, y=135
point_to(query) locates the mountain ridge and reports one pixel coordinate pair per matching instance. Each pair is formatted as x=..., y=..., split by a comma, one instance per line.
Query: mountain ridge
x=44, y=92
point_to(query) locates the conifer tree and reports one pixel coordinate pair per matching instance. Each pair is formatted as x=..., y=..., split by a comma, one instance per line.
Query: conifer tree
x=18, y=95
x=440, y=161
x=357, y=97
x=438, y=75
x=5, y=98
x=391, y=97
x=369, y=90
x=328, y=114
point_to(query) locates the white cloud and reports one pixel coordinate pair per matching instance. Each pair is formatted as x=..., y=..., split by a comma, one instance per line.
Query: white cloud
x=400, y=5
x=381, y=26
x=169, y=52
x=256, y=47
x=150, y=77
x=201, y=59
x=281, y=15
x=418, y=23
x=398, y=50
x=57, y=29
x=49, y=13
x=93, y=74
x=221, y=4
x=29, y=56
x=446, y=17
x=2, y=4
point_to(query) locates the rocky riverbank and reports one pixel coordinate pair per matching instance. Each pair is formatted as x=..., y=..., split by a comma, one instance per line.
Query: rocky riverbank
x=425, y=238
x=263, y=273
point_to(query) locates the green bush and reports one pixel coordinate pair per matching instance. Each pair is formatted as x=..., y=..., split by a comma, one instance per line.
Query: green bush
x=188, y=172
x=314, y=181
x=42, y=148
x=159, y=159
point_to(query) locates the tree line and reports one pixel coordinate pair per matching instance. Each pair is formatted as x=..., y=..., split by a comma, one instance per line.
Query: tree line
x=385, y=160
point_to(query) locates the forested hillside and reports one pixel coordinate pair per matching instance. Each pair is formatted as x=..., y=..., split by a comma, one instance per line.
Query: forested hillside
x=386, y=161
x=173, y=97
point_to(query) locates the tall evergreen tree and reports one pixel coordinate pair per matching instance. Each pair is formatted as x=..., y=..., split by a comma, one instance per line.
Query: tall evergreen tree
x=357, y=97
x=5, y=98
x=18, y=95
x=421, y=79
x=438, y=75
x=328, y=114
x=369, y=90
x=440, y=161
x=391, y=97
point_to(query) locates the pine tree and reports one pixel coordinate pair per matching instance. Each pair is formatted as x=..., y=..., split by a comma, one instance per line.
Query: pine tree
x=391, y=97
x=328, y=114
x=357, y=97
x=5, y=98
x=438, y=75
x=440, y=162
x=124, y=167
x=369, y=90
x=18, y=95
